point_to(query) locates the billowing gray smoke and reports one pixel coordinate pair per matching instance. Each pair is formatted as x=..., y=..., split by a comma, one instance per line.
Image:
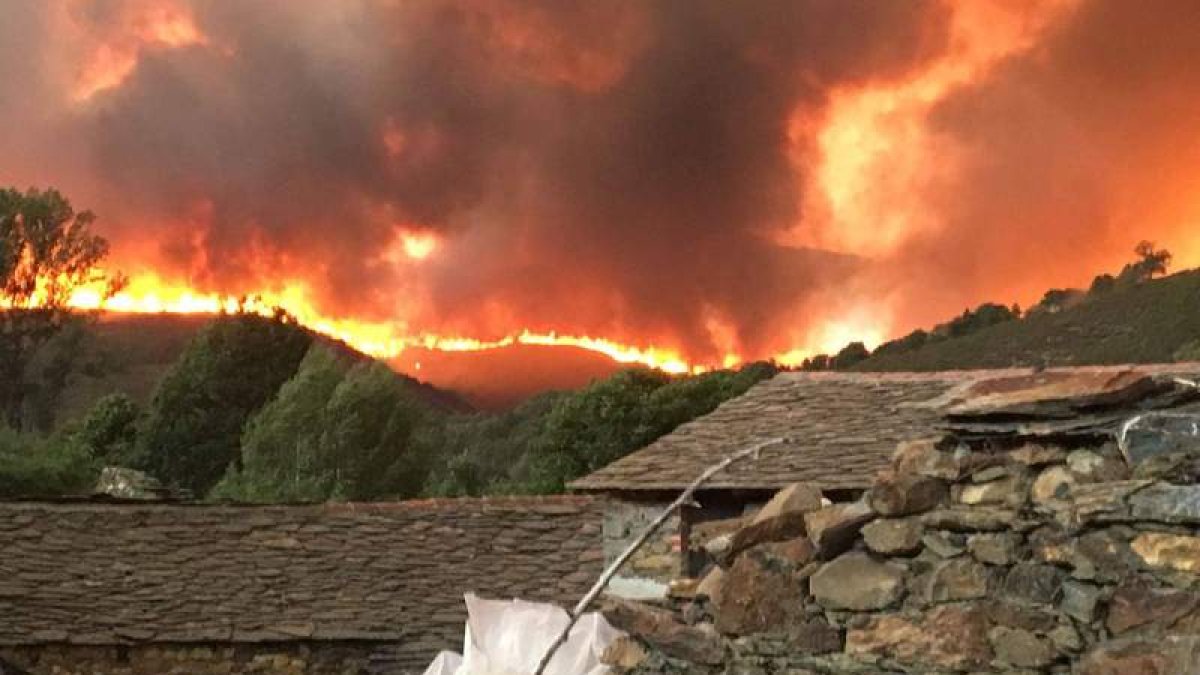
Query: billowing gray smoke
x=610, y=168
x=606, y=168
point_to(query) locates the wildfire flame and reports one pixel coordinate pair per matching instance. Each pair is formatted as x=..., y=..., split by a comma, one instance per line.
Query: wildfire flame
x=148, y=294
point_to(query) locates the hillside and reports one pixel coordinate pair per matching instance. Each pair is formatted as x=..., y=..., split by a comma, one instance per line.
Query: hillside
x=1155, y=321
x=499, y=379
x=131, y=353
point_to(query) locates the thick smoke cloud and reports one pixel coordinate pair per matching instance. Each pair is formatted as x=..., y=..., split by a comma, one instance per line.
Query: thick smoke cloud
x=622, y=169
x=608, y=168
x=1067, y=155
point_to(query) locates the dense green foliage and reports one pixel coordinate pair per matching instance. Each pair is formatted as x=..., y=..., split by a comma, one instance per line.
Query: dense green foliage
x=359, y=432
x=281, y=443
x=194, y=424
x=555, y=438
x=335, y=430
x=35, y=466
x=47, y=252
x=109, y=432
x=254, y=410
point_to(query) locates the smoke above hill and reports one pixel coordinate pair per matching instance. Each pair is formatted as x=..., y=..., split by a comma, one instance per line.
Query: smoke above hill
x=722, y=179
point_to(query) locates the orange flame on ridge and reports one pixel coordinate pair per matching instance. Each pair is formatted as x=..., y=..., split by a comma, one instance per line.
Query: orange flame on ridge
x=148, y=294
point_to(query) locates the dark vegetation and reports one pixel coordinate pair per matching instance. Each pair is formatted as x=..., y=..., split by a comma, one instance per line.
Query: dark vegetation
x=1134, y=316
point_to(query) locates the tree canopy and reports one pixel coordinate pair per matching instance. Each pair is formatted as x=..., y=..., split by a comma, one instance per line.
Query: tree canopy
x=231, y=369
x=47, y=253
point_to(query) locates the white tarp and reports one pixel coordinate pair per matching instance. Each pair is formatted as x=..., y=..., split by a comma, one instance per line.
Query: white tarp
x=446, y=663
x=508, y=637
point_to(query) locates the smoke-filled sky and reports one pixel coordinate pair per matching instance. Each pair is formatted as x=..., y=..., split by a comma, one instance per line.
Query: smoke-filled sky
x=714, y=176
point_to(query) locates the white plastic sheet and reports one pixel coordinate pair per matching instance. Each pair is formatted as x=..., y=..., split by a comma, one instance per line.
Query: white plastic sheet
x=446, y=663
x=509, y=637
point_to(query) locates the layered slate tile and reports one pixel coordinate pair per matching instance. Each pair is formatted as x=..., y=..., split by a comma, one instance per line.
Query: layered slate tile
x=105, y=574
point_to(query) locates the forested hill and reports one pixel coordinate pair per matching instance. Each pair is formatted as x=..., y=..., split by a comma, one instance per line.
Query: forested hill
x=130, y=354
x=250, y=408
x=1154, y=321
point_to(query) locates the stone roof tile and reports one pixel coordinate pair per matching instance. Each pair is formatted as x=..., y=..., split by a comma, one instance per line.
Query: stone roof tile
x=843, y=426
x=105, y=573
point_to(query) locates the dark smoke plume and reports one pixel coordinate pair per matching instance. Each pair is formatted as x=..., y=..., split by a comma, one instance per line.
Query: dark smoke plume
x=615, y=168
x=607, y=168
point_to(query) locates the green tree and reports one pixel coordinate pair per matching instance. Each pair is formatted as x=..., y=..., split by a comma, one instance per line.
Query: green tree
x=109, y=431
x=485, y=453
x=195, y=420
x=369, y=445
x=281, y=444
x=594, y=427
x=47, y=252
x=611, y=418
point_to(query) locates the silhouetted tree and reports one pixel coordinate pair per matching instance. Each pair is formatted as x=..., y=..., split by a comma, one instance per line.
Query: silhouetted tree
x=909, y=343
x=817, y=362
x=850, y=355
x=1151, y=262
x=47, y=252
x=983, y=316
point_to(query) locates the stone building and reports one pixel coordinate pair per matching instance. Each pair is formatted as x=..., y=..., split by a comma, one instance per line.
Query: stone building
x=841, y=430
x=1050, y=525
x=155, y=589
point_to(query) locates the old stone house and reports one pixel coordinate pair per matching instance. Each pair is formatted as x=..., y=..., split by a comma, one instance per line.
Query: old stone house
x=1052, y=526
x=153, y=589
x=841, y=430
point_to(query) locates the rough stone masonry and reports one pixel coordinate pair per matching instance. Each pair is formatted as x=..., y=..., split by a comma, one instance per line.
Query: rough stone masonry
x=1055, y=528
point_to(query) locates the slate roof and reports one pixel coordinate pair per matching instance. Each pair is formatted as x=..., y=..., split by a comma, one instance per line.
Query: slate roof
x=843, y=428
x=111, y=574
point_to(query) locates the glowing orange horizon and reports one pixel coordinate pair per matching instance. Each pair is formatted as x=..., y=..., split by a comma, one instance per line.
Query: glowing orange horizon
x=148, y=294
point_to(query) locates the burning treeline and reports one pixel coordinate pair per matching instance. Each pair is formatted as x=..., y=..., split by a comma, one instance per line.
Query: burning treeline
x=723, y=182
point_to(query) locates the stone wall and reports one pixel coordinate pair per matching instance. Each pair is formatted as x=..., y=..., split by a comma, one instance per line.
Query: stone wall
x=1048, y=557
x=656, y=563
x=314, y=589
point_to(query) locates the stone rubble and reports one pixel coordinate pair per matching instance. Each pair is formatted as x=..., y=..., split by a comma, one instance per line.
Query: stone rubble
x=1031, y=539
